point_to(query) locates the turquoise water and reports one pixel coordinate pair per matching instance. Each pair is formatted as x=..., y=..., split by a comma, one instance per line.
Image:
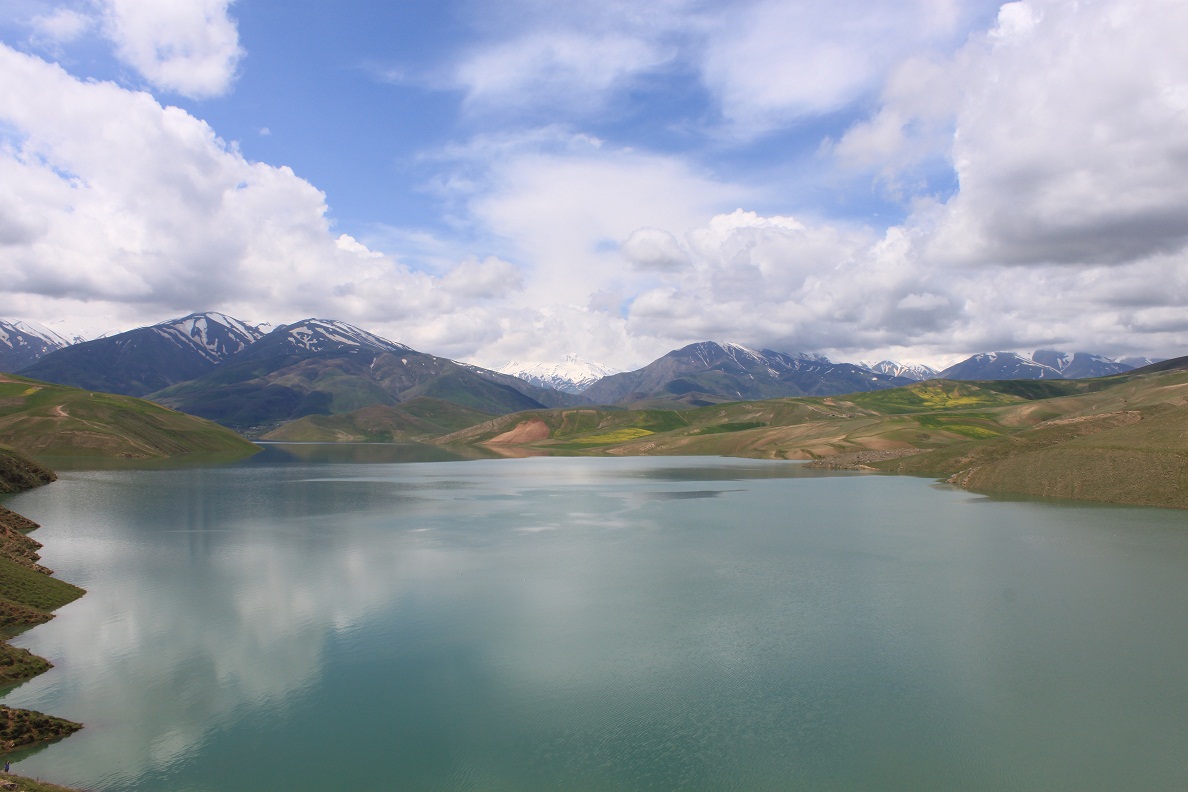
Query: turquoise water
x=294, y=623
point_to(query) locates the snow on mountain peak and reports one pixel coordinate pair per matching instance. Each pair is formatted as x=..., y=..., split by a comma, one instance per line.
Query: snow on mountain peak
x=213, y=335
x=893, y=368
x=318, y=334
x=572, y=375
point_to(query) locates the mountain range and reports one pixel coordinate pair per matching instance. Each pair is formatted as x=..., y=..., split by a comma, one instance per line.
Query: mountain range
x=572, y=375
x=22, y=343
x=147, y=359
x=218, y=367
x=710, y=372
x=1042, y=364
x=324, y=367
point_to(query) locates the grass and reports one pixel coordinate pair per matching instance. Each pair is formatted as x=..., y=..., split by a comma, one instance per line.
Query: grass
x=23, y=727
x=19, y=472
x=1117, y=439
x=34, y=589
x=17, y=664
x=737, y=426
x=617, y=436
x=45, y=420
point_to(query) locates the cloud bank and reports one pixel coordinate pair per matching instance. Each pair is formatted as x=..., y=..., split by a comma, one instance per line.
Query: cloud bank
x=1066, y=225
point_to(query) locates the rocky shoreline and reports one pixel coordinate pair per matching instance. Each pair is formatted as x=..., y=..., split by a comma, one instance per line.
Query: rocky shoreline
x=860, y=460
x=28, y=596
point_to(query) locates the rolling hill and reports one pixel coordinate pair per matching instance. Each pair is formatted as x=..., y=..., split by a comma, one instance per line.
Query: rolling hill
x=416, y=420
x=1120, y=439
x=41, y=420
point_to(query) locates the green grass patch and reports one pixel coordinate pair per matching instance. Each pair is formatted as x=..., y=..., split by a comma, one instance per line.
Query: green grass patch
x=933, y=395
x=27, y=587
x=617, y=436
x=738, y=426
x=17, y=664
x=24, y=727
x=960, y=424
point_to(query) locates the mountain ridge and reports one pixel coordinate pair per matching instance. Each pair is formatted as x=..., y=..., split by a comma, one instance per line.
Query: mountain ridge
x=146, y=359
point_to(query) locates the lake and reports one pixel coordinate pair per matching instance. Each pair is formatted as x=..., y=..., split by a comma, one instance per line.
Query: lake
x=295, y=622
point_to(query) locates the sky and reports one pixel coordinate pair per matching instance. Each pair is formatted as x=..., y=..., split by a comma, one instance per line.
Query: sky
x=496, y=180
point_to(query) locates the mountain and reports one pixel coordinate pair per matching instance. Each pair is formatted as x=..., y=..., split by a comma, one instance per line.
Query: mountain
x=325, y=367
x=573, y=375
x=709, y=372
x=23, y=343
x=912, y=371
x=147, y=359
x=1140, y=362
x=1174, y=364
x=1043, y=364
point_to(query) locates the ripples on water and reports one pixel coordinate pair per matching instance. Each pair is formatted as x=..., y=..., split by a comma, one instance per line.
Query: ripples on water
x=299, y=623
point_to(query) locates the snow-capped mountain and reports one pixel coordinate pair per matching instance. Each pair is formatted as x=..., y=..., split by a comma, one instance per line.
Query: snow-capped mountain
x=1042, y=364
x=147, y=359
x=22, y=343
x=572, y=375
x=891, y=368
x=1139, y=362
x=710, y=372
x=319, y=335
x=214, y=336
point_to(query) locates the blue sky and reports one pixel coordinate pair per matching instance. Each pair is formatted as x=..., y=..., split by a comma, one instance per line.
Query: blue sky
x=520, y=179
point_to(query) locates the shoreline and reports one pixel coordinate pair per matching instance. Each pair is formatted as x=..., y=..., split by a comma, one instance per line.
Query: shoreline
x=28, y=596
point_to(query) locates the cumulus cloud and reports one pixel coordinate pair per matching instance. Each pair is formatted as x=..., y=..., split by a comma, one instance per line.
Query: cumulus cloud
x=1066, y=156
x=567, y=210
x=190, y=47
x=112, y=205
x=654, y=249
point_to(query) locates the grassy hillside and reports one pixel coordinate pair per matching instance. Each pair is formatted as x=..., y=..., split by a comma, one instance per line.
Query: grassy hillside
x=928, y=415
x=1121, y=439
x=1127, y=443
x=28, y=594
x=44, y=420
x=19, y=472
x=381, y=423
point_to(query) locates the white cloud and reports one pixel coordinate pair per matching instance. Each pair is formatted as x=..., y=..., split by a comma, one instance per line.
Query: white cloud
x=654, y=249
x=113, y=207
x=61, y=26
x=568, y=69
x=774, y=61
x=565, y=213
x=187, y=46
x=1064, y=155
x=764, y=62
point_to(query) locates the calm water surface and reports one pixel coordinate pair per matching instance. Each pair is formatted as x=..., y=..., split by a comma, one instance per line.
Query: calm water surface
x=603, y=624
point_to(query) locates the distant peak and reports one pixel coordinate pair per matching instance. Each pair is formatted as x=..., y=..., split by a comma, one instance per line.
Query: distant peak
x=319, y=334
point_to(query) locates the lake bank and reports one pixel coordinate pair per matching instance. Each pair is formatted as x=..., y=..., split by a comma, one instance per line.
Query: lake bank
x=28, y=596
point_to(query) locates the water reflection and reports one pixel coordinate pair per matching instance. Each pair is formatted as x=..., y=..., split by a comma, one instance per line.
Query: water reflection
x=600, y=623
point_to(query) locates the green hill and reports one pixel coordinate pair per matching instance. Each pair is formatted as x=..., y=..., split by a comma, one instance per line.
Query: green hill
x=1120, y=439
x=44, y=420
x=1126, y=443
x=414, y=420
